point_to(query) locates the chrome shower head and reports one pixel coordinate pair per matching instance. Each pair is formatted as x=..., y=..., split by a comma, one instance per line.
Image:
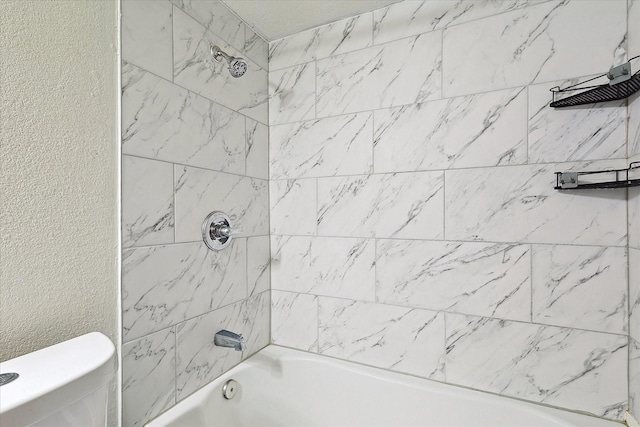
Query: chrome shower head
x=237, y=66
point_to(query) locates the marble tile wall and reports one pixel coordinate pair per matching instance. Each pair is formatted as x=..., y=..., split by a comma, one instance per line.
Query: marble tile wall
x=633, y=150
x=194, y=140
x=414, y=225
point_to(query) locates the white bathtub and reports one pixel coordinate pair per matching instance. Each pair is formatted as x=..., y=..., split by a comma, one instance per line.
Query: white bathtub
x=283, y=387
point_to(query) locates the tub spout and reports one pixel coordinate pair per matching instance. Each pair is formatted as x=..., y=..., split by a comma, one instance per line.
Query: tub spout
x=229, y=339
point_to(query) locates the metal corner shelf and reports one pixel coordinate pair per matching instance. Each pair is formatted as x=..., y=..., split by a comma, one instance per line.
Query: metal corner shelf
x=571, y=180
x=622, y=84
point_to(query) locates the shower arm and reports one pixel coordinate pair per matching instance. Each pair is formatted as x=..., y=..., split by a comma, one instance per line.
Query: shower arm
x=218, y=54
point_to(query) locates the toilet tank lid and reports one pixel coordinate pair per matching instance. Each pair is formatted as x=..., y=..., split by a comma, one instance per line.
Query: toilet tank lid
x=56, y=376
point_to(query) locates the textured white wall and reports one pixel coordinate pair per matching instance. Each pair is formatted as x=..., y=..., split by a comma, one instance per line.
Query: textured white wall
x=58, y=275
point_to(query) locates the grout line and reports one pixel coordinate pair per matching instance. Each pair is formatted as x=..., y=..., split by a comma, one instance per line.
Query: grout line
x=175, y=205
x=173, y=44
x=195, y=167
x=187, y=242
x=317, y=324
x=629, y=295
x=531, y=282
x=246, y=269
x=442, y=63
x=375, y=270
x=444, y=169
x=119, y=375
x=315, y=89
x=444, y=204
x=406, y=239
x=528, y=122
x=373, y=26
x=175, y=364
x=246, y=146
x=444, y=347
x=317, y=209
x=373, y=142
x=454, y=313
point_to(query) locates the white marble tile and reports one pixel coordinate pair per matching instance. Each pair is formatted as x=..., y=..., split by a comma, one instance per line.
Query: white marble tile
x=258, y=265
x=217, y=18
x=397, y=338
x=147, y=202
x=519, y=204
x=472, y=278
x=293, y=206
x=148, y=377
x=634, y=378
x=338, y=37
x=345, y=35
x=296, y=49
x=294, y=320
x=634, y=121
x=163, y=121
x=292, y=95
x=328, y=266
x=404, y=205
x=581, y=287
x=633, y=40
x=573, y=369
x=256, y=48
x=634, y=293
x=633, y=212
x=199, y=361
x=590, y=132
x=195, y=69
x=480, y=130
x=199, y=192
x=255, y=322
x=404, y=72
x=550, y=41
x=146, y=35
x=409, y=18
x=257, y=149
x=634, y=30
x=165, y=285
x=327, y=147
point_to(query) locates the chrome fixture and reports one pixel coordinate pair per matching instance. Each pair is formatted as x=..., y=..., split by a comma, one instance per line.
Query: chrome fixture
x=8, y=377
x=229, y=389
x=229, y=339
x=237, y=66
x=217, y=231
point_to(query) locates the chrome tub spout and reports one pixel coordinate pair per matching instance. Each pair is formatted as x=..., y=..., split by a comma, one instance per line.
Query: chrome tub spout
x=229, y=339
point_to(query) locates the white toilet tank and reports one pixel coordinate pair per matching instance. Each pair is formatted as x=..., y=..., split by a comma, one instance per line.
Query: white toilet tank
x=62, y=385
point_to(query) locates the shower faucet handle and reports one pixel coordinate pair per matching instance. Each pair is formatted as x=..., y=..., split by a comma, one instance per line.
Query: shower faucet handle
x=217, y=231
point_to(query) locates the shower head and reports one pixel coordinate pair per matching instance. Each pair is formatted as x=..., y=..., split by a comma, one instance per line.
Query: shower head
x=237, y=66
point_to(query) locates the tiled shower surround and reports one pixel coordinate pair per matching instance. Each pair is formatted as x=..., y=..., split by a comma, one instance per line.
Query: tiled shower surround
x=414, y=224
x=194, y=140
x=399, y=165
